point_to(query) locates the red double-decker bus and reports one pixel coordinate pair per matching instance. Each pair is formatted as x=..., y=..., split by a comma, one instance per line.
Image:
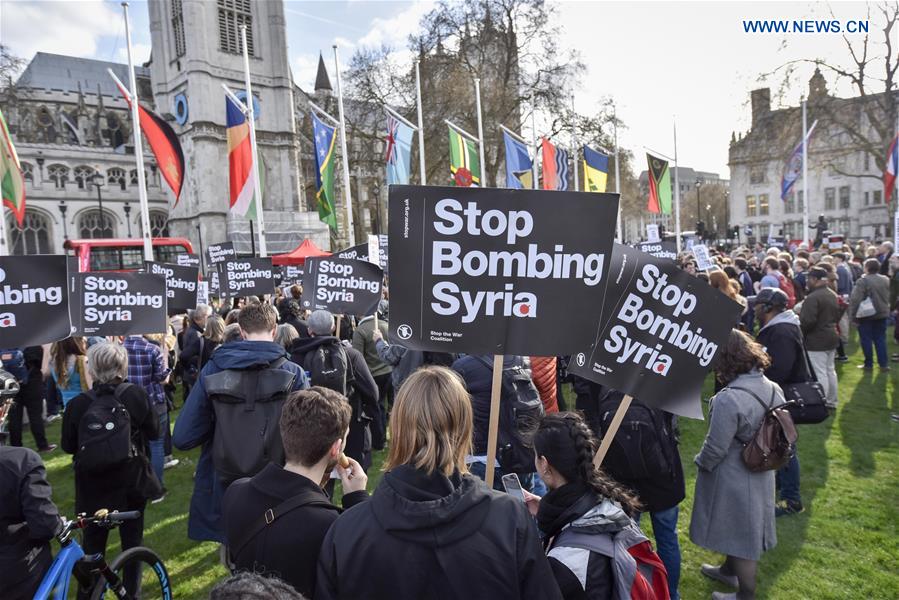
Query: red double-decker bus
x=124, y=254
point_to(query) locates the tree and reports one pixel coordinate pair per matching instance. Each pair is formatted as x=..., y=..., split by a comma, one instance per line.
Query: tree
x=10, y=66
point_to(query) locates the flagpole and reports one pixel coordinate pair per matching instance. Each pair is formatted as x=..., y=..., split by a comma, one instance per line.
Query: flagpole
x=421, y=129
x=477, y=93
x=620, y=233
x=534, y=174
x=574, y=142
x=251, y=121
x=805, y=201
x=351, y=230
x=676, y=193
x=138, y=146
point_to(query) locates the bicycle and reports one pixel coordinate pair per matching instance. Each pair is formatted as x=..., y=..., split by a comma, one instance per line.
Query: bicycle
x=71, y=560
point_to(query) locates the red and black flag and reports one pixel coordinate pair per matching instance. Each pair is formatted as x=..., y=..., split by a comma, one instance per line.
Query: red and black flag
x=659, y=185
x=164, y=144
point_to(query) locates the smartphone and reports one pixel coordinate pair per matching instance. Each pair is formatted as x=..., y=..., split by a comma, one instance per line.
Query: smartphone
x=513, y=486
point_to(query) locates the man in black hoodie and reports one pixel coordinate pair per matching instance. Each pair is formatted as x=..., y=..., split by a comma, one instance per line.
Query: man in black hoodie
x=342, y=368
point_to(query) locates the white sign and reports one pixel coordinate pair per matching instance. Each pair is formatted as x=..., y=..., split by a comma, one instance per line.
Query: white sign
x=652, y=233
x=374, y=252
x=202, y=292
x=703, y=260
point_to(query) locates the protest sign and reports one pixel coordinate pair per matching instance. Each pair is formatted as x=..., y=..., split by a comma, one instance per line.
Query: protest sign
x=119, y=303
x=202, y=292
x=690, y=241
x=361, y=251
x=34, y=303
x=291, y=274
x=659, y=331
x=214, y=281
x=187, y=260
x=498, y=271
x=374, y=253
x=247, y=277
x=659, y=249
x=703, y=260
x=342, y=286
x=652, y=233
x=835, y=242
x=219, y=253
x=180, y=283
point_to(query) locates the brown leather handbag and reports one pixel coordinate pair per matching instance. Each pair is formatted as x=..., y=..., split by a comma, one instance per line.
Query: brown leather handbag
x=774, y=441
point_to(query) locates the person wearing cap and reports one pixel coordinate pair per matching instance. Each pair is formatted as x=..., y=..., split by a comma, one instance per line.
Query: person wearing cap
x=781, y=336
x=818, y=320
x=364, y=342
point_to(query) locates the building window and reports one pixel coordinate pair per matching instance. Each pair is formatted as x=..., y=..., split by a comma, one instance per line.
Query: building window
x=132, y=177
x=763, y=231
x=59, y=175
x=877, y=197
x=27, y=171
x=750, y=206
x=93, y=225
x=159, y=224
x=83, y=175
x=789, y=230
x=763, y=204
x=867, y=162
x=844, y=196
x=116, y=176
x=800, y=201
x=178, y=27
x=867, y=198
x=34, y=235
x=757, y=175
x=830, y=198
x=233, y=14
x=790, y=204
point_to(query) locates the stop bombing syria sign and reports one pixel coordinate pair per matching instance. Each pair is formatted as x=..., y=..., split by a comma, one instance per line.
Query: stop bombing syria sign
x=498, y=271
x=34, y=303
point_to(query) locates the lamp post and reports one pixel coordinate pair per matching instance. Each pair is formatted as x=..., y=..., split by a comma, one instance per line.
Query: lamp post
x=376, y=192
x=127, y=209
x=62, y=211
x=99, y=181
x=698, y=210
x=708, y=219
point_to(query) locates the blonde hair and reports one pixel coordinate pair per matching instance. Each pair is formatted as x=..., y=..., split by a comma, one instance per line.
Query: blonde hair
x=431, y=423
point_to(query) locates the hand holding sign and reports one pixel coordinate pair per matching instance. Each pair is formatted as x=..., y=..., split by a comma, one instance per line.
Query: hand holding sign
x=703, y=260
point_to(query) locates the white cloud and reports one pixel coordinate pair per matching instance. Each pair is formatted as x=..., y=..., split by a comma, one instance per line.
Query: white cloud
x=304, y=68
x=140, y=53
x=70, y=28
x=394, y=31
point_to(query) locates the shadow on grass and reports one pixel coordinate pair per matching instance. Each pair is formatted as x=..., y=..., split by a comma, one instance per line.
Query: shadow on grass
x=864, y=422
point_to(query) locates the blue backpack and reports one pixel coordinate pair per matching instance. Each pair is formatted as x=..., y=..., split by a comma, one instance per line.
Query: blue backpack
x=14, y=362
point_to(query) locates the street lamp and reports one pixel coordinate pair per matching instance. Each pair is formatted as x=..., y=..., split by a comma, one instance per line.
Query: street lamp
x=376, y=192
x=127, y=209
x=99, y=181
x=698, y=185
x=62, y=212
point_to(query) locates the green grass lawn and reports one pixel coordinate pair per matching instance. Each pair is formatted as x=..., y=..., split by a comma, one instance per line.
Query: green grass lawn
x=845, y=545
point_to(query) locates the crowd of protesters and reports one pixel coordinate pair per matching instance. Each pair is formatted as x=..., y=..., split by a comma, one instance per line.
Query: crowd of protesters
x=283, y=403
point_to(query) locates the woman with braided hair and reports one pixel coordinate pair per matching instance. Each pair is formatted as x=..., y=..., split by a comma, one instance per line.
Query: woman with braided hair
x=585, y=515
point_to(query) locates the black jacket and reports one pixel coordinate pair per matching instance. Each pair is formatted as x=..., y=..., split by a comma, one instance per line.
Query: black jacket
x=782, y=340
x=191, y=350
x=428, y=536
x=28, y=520
x=478, y=380
x=289, y=547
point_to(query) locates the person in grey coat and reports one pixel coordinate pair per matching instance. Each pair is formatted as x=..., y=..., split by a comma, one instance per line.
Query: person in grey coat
x=872, y=329
x=733, y=508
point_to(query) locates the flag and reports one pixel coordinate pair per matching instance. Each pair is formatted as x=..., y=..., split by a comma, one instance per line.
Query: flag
x=555, y=167
x=465, y=166
x=794, y=166
x=12, y=181
x=240, y=161
x=596, y=170
x=163, y=143
x=889, y=174
x=518, y=164
x=323, y=139
x=659, y=185
x=399, y=151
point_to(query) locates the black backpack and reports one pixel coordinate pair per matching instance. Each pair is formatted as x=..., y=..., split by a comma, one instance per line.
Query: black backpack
x=639, y=450
x=520, y=412
x=439, y=359
x=329, y=366
x=104, y=432
x=247, y=407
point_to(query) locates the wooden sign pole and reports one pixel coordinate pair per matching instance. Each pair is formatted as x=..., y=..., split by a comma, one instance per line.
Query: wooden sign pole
x=493, y=428
x=337, y=326
x=613, y=429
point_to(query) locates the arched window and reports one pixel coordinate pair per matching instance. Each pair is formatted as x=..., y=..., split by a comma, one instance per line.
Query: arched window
x=83, y=175
x=159, y=224
x=132, y=176
x=59, y=175
x=116, y=176
x=93, y=225
x=27, y=171
x=33, y=237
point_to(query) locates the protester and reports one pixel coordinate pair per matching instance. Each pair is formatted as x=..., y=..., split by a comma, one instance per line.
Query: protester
x=290, y=313
x=431, y=529
x=191, y=350
x=588, y=395
x=106, y=474
x=232, y=333
x=252, y=586
x=781, y=337
x=30, y=398
x=733, y=508
x=68, y=367
x=872, y=329
x=746, y=290
x=884, y=253
x=364, y=342
x=314, y=425
x=544, y=371
x=285, y=335
x=231, y=317
x=719, y=280
x=213, y=337
x=818, y=319
x=341, y=368
x=196, y=426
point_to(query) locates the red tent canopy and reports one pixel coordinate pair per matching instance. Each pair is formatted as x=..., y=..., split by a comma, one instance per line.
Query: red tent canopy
x=298, y=255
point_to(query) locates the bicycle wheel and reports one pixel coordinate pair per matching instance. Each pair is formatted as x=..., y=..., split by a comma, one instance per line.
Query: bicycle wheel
x=155, y=582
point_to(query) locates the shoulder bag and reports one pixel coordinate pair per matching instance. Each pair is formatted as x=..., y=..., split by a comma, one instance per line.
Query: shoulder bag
x=806, y=401
x=865, y=307
x=774, y=442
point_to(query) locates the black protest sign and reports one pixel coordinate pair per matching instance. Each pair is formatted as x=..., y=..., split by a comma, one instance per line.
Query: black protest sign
x=188, y=260
x=246, y=277
x=34, y=303
x=120, y=303
x=341, y=285
x=360, y=252
x=659, y=331
x=214, y=281
x=219, y=253
x=498, y=271
x=659, y=249
x=181, y=285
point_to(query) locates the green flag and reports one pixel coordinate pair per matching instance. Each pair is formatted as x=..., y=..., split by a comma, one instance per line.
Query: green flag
x=465, y=166
x=323, y=140
x=12, y=181
x=659, y=185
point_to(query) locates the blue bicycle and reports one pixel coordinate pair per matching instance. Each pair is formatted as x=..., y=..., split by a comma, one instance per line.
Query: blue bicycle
x=103, y=580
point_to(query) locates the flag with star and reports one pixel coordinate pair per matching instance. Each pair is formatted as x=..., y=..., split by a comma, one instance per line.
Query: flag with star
x=323, y=141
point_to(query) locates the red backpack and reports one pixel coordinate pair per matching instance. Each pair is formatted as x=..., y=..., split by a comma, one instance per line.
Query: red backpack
x=786, y=286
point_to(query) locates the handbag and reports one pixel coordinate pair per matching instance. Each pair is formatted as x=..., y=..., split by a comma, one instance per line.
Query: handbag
x=865, y=307
x=806, y=400
x=774, y=442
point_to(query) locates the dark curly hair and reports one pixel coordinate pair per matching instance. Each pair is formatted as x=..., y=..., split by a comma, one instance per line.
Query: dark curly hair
x=740, y=354
x=252, y=586
x=569, y=446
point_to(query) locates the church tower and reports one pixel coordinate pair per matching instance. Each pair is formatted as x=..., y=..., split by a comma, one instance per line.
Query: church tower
x=196, y=47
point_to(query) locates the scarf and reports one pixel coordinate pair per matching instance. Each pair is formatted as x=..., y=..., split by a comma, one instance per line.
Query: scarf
x=563, y=505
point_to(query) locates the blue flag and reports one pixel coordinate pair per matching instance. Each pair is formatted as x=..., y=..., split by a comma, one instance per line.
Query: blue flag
x=399, y=151
x=793, y=169
x=518, y=164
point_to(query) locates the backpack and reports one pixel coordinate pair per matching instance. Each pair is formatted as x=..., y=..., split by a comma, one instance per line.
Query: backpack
x=774, y=442
x=14, y=362
x=247, y=407
x=786, y=286
x=638, y=450
x=104, y=432
x=637, y=571
x=329, y=366
x=440, y=359
x=520, y=412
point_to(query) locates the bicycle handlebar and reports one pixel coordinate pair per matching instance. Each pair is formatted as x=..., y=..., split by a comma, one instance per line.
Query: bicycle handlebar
x=128, y=515
x=101, y=518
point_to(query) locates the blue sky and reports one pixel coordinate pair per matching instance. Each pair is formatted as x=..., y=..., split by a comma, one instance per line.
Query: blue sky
x=708, y=63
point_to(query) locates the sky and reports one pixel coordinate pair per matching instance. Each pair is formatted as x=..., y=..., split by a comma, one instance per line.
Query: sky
x=689, y=63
